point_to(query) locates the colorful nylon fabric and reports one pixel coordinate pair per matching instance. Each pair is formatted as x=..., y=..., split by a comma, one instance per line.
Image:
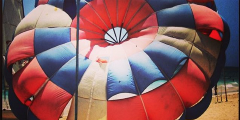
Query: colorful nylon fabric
x=138, y=59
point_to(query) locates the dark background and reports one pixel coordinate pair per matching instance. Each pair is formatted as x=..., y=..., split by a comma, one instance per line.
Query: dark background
x=229, y=10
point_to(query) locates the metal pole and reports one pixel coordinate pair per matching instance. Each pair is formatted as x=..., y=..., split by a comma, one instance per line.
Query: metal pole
x=221, y=93
x=216, y=95
x=77, y=64
x=225, y=84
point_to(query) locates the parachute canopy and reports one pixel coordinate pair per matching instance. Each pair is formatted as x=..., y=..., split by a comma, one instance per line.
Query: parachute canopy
x=138, y=59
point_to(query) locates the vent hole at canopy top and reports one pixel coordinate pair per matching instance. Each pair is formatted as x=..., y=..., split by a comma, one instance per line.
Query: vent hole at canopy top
x=116, y=35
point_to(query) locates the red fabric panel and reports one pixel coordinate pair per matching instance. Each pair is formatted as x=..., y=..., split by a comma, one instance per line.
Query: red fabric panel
x=126, y=109
x=89, y=35
x=21, y=47
x=150, y=32
x=100, y=8
x=215, y=35
x=190, y=83
x=86, y=25
x=50, y=102
x=86, y=35
x=163, y=103
x=134, y=6
x=112, y=10
x=200, y=1
x=122, y=9
x=96, y=38
x=25, y=83
x=88, y=13
x=149, y=22
x=40, y=2
x=209, y=21
x=143, y=13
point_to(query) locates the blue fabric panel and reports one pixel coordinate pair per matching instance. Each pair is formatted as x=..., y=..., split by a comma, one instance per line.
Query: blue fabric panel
x=47, y=38
x=20, y=110
x=66, y=76
x=145, y=72
x=179, y=16
x=120, y=79
x=166, y=57
x=56, y=3
x=70, y=8
x=163, y=4
x=197, y=110
x=28, y=6
x=52, y=60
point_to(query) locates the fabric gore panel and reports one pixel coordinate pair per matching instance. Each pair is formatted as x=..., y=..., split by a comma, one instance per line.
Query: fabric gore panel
x=144, y=77
x=189, y=81
x=47, y=38
x=207, y=22
x=144, y=12
x=158, y=4
x=126, y=109
x=120, y=79
x=166, y=57
x=180, y=16
x=163, y=103
x=30, y=82
x=52, y=60
x=50, y=102
x=145, y=23
x=21, y=47
x=94, y=81
x=65, y=77
x=40, y=2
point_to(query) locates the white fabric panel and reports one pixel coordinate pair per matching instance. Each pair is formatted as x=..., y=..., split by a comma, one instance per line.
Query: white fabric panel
x=88, y=109
x=44, y=16
x=93, y=82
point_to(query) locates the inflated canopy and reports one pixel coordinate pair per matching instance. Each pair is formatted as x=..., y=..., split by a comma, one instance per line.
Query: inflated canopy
x=138, y=59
